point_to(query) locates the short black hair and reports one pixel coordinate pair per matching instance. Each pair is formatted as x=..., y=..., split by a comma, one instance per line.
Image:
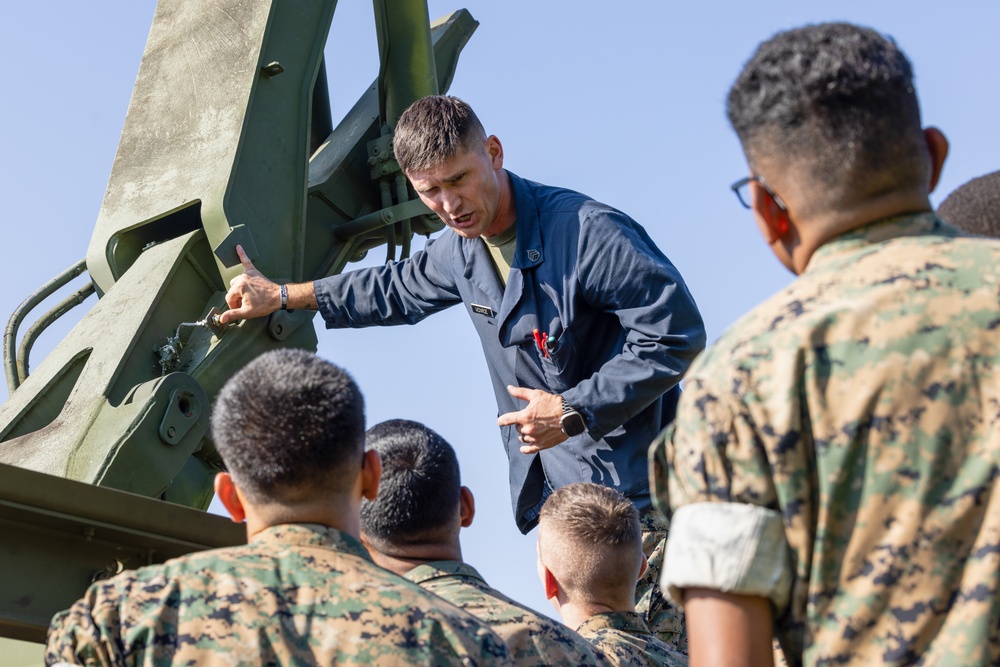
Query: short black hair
x=433, y=129
x=837, y=98
x=419, y=493
x=975, y=207
x=290, y=424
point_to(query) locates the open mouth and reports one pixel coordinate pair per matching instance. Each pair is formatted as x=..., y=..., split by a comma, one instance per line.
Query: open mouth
x=462, y=219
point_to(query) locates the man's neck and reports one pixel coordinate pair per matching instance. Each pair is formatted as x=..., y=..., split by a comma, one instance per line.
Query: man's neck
x=822, y=228
x=574, y=614
x=506, y=211
x=345, y=519
x=403, y=559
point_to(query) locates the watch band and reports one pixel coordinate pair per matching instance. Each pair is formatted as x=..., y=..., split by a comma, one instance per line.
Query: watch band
x=566, y=407
x=571, y=422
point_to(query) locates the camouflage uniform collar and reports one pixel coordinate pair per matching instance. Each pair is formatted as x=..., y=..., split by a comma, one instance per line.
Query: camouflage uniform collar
x=443, y=568
x=864, y=237
x=627, y=621
x=311, y=535
x=651, y=521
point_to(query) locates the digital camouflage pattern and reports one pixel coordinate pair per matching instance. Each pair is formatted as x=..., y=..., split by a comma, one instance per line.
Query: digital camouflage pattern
x=532, y=639
x=625, y=640
x=298, y=594
x=663, y=618
x=862, y=405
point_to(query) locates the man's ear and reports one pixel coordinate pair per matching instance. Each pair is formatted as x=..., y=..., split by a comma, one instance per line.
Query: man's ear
x=550, y=583
x=645, y=566
x=468, y=505
x=371, y=474
x=772, y=218
x=937, y=146
x=225, y=488
x=495, y=150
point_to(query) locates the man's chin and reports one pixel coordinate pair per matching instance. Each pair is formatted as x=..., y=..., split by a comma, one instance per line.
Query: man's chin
x=466, y=233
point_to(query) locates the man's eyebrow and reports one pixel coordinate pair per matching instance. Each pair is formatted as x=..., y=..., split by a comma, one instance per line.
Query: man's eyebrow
x=446, y=179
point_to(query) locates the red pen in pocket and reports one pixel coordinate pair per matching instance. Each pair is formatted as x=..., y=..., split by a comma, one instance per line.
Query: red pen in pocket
x=540, y=342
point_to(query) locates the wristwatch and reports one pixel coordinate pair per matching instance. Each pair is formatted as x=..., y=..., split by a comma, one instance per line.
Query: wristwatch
x=571, y=421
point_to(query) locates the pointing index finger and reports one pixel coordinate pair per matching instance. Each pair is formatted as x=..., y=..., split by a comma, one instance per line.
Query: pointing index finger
x=244, y=260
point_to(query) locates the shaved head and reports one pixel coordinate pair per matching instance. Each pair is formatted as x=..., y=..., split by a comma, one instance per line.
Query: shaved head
x=589, y=537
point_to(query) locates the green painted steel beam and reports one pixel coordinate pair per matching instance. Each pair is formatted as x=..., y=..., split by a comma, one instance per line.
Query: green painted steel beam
x=406, y=57
x=340, y=172
x=58, y=536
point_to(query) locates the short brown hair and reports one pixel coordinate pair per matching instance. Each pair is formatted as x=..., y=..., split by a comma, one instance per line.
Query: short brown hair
x=590, y=538
x=433, y=129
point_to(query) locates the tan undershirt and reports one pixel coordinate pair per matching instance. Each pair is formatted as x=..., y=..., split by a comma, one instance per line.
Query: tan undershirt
x=501, y=249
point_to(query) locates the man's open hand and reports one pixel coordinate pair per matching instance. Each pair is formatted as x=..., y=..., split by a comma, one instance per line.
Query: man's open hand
x=538, y=423
x=250, y=294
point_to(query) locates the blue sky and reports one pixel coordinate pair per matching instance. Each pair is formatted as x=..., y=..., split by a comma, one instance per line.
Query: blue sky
x=624, y=104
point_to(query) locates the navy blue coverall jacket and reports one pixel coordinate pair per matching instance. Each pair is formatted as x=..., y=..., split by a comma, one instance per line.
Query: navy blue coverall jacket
x=625, y=328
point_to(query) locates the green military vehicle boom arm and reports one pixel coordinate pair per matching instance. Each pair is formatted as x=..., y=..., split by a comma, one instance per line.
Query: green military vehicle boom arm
x=228, y=140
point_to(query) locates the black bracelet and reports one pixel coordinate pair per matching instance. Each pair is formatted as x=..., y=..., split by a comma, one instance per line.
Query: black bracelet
x=284, y=297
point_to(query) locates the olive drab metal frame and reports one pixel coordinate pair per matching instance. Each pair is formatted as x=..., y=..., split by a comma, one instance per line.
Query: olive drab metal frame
x=228, y=140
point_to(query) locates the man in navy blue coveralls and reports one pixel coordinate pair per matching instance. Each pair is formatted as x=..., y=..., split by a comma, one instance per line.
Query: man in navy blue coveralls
x=587, y=327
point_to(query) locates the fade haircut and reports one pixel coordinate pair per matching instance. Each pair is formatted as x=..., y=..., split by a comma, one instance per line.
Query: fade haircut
x=590, y=538
x=975, y=207
x=419, y=493
x=290, y=426
x=433, y=129
x=837, y=101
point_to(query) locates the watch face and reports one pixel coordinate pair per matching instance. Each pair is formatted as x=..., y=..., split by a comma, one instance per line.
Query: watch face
x=572, y=423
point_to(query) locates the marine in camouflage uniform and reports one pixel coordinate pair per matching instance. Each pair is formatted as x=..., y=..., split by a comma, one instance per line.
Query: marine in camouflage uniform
x=412, y=528
x=531, y=638
x=848, y=430
x=590, y=556
x=296, y=594
x=625, y=641
x=835, y=461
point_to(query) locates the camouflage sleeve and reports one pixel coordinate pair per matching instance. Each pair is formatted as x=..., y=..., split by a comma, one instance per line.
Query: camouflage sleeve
x=710, y=473
x=75, y=636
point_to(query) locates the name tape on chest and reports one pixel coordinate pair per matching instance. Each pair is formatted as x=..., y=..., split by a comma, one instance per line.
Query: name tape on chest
x=482, y=310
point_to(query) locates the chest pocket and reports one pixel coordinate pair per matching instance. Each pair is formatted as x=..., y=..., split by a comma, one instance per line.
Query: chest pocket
x=554, y=373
